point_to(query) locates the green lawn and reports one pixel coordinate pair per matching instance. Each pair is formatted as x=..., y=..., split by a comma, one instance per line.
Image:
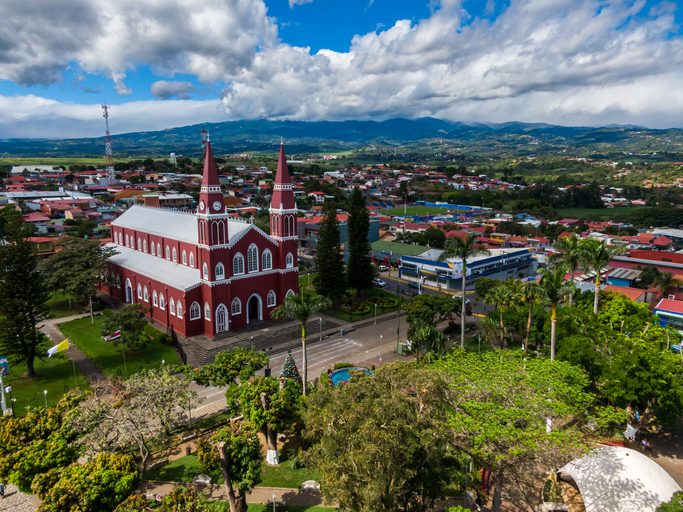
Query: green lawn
x=421, y=211
x=107, y=356
x=186, y=468
x=55, y=374
x=59, y=305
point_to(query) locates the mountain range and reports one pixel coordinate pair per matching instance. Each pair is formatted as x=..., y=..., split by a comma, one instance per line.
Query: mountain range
x=404, y=135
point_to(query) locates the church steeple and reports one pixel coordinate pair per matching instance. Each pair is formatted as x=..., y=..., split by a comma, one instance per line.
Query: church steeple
x=210, y=196
x=283, y=196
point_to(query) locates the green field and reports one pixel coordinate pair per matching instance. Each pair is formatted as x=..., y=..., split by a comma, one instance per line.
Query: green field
x=55, y=374
x=108, y=357
x=186, y=468
x=59, y=305
x=615, y=214
x=420, y=211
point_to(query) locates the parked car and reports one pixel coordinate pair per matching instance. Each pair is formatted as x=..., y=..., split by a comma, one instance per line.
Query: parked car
x=414, y=285
x=383, y=268
x=467, y=301
x=379, y=283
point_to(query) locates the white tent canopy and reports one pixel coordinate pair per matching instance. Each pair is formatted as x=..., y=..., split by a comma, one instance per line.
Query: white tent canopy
x=615, y=479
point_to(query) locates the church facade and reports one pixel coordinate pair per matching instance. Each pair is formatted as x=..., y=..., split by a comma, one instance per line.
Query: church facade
x=206, y=272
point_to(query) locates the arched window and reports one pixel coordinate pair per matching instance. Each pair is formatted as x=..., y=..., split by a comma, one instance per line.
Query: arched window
x=266, y=260
x=238, y=264
x=153, y=250
x=236, y=307
x=139, y=244
x=184, y=258
x=252, y=258
x=127, y=241
x=139, y=292
x=194, y=311
x=118, y=281
x=159, y=250
x=155, y=298
x=144, y=245
x=207, y=311
x=220, y=271
x=145, y=294
x=168, y=253
x=171, y=306
x=192, y=259
x=290, y=260
x=179, y=309
x=205, y=271
x=162, y=302
x=290, y=292
x=271, y=299
x=175, y=255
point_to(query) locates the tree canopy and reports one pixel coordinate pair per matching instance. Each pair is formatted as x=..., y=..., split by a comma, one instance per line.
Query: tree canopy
x=359, y=268
x=329, y=258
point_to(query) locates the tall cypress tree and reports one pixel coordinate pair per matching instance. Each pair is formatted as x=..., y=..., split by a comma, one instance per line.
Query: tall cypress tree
x=329, y=259
x=23, y=294
x=359, y=268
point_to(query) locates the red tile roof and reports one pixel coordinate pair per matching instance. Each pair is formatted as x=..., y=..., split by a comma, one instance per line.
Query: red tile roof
x=631, y=293
x=675, y=306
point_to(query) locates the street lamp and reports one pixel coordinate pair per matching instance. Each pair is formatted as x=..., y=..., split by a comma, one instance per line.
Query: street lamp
x=252, y=343
x=380, y=347
x=45, y=395
x=163, y=361
x=189, y=408
x=274, y=496
x=321, y=329
x=375, y=313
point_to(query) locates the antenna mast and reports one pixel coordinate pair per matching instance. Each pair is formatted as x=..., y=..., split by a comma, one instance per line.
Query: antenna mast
x=205, y=139
x=108, y=155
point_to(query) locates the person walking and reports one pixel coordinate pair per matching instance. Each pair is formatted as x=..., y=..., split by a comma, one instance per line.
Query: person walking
x=2, y=490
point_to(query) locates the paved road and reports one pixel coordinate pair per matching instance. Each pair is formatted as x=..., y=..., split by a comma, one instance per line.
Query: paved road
x=17, y=501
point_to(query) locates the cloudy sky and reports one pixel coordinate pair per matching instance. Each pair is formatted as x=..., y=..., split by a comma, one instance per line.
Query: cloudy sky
x=165, y=63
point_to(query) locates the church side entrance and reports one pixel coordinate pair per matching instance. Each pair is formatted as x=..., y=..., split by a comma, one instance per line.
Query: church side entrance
x=253, y=309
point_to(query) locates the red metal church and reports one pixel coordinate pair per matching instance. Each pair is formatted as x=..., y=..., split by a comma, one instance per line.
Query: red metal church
x=207, y=273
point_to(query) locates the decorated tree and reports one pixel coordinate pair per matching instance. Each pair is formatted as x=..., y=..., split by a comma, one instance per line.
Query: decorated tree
x=289, y=371
x=269, y=405
x=238, y=363
x=97, y=486
x=131, y=320
x=378, y=441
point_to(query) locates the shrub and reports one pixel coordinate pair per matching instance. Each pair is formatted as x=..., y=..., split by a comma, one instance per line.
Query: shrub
x=107, y=312
x=339, y=366
x=324, y=378
x=97, y=306
x=161, y=337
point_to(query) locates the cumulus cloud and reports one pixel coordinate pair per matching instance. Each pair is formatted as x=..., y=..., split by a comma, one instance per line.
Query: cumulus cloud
x=164, y=90
x=33, y=116
x=538, y=61
x=208, y=39
x=292, y=3
x=94, y=89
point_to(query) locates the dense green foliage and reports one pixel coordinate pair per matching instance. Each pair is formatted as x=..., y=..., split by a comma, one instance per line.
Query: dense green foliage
x=131, y=320
x=230, y=365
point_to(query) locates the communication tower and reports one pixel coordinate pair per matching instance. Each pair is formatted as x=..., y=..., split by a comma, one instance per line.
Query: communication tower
x=108, y=155
x=173, y=160
x=205, y=139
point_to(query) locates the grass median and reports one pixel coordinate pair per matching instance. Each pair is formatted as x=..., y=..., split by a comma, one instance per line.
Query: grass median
x=108, y=357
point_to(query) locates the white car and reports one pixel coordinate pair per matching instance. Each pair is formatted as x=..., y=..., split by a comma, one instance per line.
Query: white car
x=467, y=301
x=383, y=268
x=379, y=283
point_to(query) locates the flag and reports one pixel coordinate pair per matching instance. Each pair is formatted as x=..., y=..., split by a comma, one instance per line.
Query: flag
x=58, y=348
x=113, y=336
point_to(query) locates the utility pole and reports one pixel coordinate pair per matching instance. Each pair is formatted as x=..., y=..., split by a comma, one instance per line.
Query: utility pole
x=108, y=154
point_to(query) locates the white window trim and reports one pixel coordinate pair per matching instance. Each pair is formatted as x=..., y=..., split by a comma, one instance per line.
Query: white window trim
x=287, y=260
x=237, y=302
x=270, y=260
x=179, y=309
x=162, y=302
x=184, y=258
x=139, y=292
x=145, y=294
x=271, y=293
x=207, y=311
x=144, y=246
x=220, y=267
x=175, y=256
x=192, y=259
x=155, y=298
x=197, y=310
x=153, y=251
x=205, y=271
x=234, y=272
x=168, y=253
x=171, y=306
x=253, y=250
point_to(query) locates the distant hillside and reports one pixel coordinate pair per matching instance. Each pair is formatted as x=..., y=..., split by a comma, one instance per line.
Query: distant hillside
x=411, y=136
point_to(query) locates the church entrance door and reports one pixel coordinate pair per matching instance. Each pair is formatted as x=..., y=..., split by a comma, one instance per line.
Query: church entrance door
x=221, y=318
x=253, y=309
x=129, y=292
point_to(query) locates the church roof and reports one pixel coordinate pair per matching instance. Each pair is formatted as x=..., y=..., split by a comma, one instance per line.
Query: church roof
x=282, y=175
x=282, y=197
x=162, y=222
x=178, y=276
x=210, y=176
x=170, y=224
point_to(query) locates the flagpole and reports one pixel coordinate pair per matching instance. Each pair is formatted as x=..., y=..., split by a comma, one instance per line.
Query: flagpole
x=123, y=351
x=75, y=379
x=92, y=318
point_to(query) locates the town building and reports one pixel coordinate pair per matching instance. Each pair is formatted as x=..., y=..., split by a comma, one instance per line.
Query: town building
x=206, y=272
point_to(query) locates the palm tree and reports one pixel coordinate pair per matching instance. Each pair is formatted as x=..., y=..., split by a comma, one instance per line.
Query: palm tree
x=531, y=292
x=597, y=255
x=574, y=254
x=301, y=308
x=667, y=280
x=503, y=297
x=554, y=289
x=463, y=248
x=428, y=343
